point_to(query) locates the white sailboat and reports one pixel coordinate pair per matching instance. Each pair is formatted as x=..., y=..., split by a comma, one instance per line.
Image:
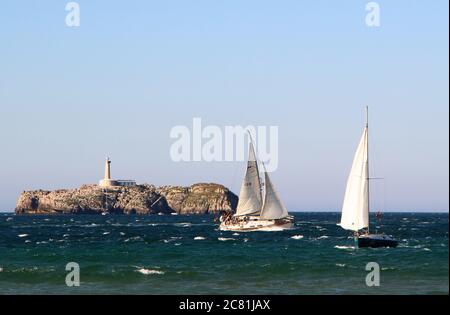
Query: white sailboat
x=356, y=206
x=257, y=211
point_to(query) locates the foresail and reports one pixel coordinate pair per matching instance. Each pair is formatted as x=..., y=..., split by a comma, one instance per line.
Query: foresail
x=273, y=208
x=250, y=199
x=355, y=209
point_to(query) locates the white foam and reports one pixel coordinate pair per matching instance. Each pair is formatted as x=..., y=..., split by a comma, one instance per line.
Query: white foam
x=106, y=233
x=150, y=271
x=297, y=237
x=22, y=235
x=199, y=238
x=223, y=239
x=322, y=237
x=183, y=224
x=340, y=265
x=344, y=247
x=236, y=234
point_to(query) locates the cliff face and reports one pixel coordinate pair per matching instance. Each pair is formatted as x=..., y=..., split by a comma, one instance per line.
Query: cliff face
x=140, y=199
x=199, y=198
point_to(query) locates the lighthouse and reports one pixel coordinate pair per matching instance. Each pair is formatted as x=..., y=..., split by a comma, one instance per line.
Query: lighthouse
x=108, y=182
x=107, y=168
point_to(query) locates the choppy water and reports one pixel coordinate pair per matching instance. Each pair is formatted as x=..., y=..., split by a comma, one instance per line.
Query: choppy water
x=188, y=255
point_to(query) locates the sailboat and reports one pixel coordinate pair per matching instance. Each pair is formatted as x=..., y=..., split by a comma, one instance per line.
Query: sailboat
x=356, y=206
x=257, y=211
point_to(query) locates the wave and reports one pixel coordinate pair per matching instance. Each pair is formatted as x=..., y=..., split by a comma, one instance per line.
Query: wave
x=136, y=238
x=199, y=238
x=297, y=237
x=183, y=224
x=340, y=265
x=323, y=237
x=344, y=247
x=145, y=271
x=223, y=239
x=172, y=238
x=22, y=235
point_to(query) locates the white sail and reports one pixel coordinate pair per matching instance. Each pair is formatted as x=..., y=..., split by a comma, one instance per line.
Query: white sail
x=250, y=199
x=273, y=207
x=355, y=210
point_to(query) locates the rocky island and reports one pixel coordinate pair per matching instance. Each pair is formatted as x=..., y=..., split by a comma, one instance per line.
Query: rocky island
x=137, y=199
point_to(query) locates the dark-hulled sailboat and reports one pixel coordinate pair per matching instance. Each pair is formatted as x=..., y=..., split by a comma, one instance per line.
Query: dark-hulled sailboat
x=356, y=207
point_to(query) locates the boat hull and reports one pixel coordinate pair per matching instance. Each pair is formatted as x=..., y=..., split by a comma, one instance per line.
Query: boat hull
x=376, y=240
x=253, y=225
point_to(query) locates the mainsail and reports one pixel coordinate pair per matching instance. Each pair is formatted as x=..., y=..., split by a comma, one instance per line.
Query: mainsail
x=355, y=210
x=250, y=199
x=273, y=207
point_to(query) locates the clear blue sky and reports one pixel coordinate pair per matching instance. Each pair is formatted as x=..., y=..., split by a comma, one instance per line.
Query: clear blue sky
x=307, y=66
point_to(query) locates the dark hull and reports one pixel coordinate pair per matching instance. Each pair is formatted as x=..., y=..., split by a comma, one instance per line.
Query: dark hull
x=375, y=242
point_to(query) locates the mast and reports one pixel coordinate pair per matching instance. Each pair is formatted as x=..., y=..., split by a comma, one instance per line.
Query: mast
x=368, y=177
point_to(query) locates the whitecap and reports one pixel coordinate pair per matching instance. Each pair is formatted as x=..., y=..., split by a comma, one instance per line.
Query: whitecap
x=297, y=237
x=150, y=271
x=9, y=219
x=199, y=238
x=22, y=235
x=236, y=234
x=183, y=224
x=344, y=247
x=322, y=237
x=106, y=233
x=223, y=239
x=177, y=244
x=121, y=233
x=427, y=249
x=340, y=265
x=1, y=269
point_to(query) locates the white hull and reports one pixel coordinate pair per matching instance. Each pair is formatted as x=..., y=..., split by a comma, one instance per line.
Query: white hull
x=252, y=225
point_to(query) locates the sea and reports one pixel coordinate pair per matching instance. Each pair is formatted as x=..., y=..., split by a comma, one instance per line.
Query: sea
x=187, y=254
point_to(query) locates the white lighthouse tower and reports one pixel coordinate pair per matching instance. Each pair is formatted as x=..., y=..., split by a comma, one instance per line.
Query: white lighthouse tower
x=108, y=182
